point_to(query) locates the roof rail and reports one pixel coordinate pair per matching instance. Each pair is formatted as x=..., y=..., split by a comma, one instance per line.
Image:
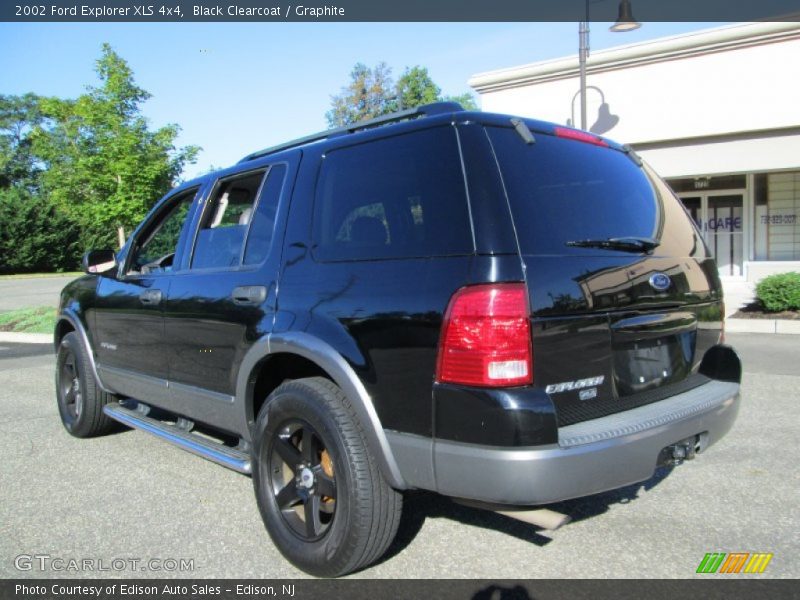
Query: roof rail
x=436, y=108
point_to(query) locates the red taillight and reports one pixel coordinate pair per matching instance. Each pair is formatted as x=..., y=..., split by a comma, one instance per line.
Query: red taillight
x=581, y=136
x=486, y=337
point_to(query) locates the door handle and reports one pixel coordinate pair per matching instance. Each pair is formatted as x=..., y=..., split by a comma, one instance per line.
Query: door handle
x=249, y=295
x=150, y=297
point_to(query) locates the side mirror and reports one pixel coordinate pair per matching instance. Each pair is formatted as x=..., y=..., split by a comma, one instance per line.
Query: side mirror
x=99, y=261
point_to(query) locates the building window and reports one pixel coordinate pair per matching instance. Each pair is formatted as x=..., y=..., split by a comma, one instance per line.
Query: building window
x=708, y=183
x=777, y=216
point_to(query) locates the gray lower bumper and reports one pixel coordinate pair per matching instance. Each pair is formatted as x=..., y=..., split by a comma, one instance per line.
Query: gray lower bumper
x=591, y=457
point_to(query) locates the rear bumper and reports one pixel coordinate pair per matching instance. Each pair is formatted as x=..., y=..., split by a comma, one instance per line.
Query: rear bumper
x=590, y=457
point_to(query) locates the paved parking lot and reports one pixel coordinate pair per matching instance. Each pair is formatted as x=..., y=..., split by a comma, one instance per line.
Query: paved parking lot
x=129, y=495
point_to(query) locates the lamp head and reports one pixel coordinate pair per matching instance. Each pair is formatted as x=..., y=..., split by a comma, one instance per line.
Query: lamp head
x=625, y=19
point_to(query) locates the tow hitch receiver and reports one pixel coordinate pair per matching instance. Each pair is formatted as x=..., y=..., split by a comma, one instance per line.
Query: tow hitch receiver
x=675, y=454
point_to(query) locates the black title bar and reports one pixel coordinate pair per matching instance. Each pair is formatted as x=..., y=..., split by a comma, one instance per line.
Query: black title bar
x=396, y=10
x=712, y=588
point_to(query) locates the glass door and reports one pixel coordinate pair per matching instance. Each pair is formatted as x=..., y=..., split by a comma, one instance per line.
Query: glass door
x=719, y=218
x=725, y=235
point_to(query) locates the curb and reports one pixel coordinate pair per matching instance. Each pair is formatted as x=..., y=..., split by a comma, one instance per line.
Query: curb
x=26, y=338
x=781, y=326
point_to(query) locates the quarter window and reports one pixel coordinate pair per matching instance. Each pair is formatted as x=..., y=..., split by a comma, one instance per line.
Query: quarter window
x=262, y=224
x=398, y=197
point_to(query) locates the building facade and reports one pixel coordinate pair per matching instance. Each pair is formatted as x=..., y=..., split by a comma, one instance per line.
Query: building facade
x=715, y=112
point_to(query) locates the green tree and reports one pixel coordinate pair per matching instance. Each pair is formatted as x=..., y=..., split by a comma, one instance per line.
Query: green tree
x=372, y=93
x=466, y=100
x=416, y=88
x=105, y=167
x=369, y=94
x=35, y=234
x=18, y=166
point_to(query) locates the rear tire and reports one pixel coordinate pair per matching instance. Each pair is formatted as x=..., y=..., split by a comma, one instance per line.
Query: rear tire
x=323, y=499
x=80, y=399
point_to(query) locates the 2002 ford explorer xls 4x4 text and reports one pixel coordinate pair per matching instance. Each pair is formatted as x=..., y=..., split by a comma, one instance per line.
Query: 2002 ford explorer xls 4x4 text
x=496, y=309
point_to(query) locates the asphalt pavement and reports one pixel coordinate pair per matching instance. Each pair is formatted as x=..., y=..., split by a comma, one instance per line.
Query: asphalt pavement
x=31, y=291
x=130, y=496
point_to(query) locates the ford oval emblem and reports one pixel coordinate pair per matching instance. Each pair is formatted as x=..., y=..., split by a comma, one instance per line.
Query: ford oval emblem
x=660, y=281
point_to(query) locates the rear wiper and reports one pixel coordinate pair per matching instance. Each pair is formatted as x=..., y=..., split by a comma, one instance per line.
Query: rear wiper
x=625, y=244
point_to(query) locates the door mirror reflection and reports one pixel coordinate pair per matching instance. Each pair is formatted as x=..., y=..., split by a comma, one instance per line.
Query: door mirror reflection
x=99, y=261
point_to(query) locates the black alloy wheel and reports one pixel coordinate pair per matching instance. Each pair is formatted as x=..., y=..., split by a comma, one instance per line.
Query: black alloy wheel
x=79, y=397
x=322, y=497
x=69, y=387
x=302, y=479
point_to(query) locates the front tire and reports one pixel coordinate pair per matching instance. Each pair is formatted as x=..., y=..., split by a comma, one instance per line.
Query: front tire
x=80, y=400
x=323, y=499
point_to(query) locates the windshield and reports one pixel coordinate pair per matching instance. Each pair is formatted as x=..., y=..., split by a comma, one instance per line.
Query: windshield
x=563, y=191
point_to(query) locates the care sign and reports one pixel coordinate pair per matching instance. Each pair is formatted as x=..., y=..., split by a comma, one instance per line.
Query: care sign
x=721, y=225
x=725, y=224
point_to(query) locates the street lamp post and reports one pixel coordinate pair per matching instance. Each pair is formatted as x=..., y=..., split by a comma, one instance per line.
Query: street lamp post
x=583, y=54
x=625, y=22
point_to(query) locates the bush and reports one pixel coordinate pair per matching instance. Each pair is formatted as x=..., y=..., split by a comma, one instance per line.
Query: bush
x=779, y=292
x=35, y=236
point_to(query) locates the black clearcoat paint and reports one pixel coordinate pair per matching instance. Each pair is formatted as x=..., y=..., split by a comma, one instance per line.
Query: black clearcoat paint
x=590, y=308
x=509, y=417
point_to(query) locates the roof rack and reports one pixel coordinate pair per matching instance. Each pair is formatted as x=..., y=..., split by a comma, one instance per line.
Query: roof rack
x=436, y=108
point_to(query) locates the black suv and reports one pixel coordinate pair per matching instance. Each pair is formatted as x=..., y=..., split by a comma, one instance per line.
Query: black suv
x=496, y=309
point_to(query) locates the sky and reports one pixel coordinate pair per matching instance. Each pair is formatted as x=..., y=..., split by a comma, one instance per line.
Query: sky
x=238, y=87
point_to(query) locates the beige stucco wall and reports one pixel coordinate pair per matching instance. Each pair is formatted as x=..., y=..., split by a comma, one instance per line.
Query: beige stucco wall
x=702, y=85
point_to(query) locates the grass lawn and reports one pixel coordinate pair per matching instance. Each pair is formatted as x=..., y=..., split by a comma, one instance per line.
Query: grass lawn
x=38, y=319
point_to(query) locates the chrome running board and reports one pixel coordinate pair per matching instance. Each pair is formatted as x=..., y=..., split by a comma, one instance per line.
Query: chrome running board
x=218, y=453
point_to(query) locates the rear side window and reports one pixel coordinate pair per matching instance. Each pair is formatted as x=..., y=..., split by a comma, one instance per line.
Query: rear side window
x=562, y=190
x=398, y=197
x=239, y=222
x=225, y=222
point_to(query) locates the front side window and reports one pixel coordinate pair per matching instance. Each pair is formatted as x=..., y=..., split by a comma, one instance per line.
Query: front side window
x=154, y=250
x=398, y=197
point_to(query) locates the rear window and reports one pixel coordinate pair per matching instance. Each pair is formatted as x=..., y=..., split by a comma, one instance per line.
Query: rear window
x=562, y=190
x=398, y=197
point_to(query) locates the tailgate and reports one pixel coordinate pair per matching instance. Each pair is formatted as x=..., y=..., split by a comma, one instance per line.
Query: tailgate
x=597, y=356
x=625, y=297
